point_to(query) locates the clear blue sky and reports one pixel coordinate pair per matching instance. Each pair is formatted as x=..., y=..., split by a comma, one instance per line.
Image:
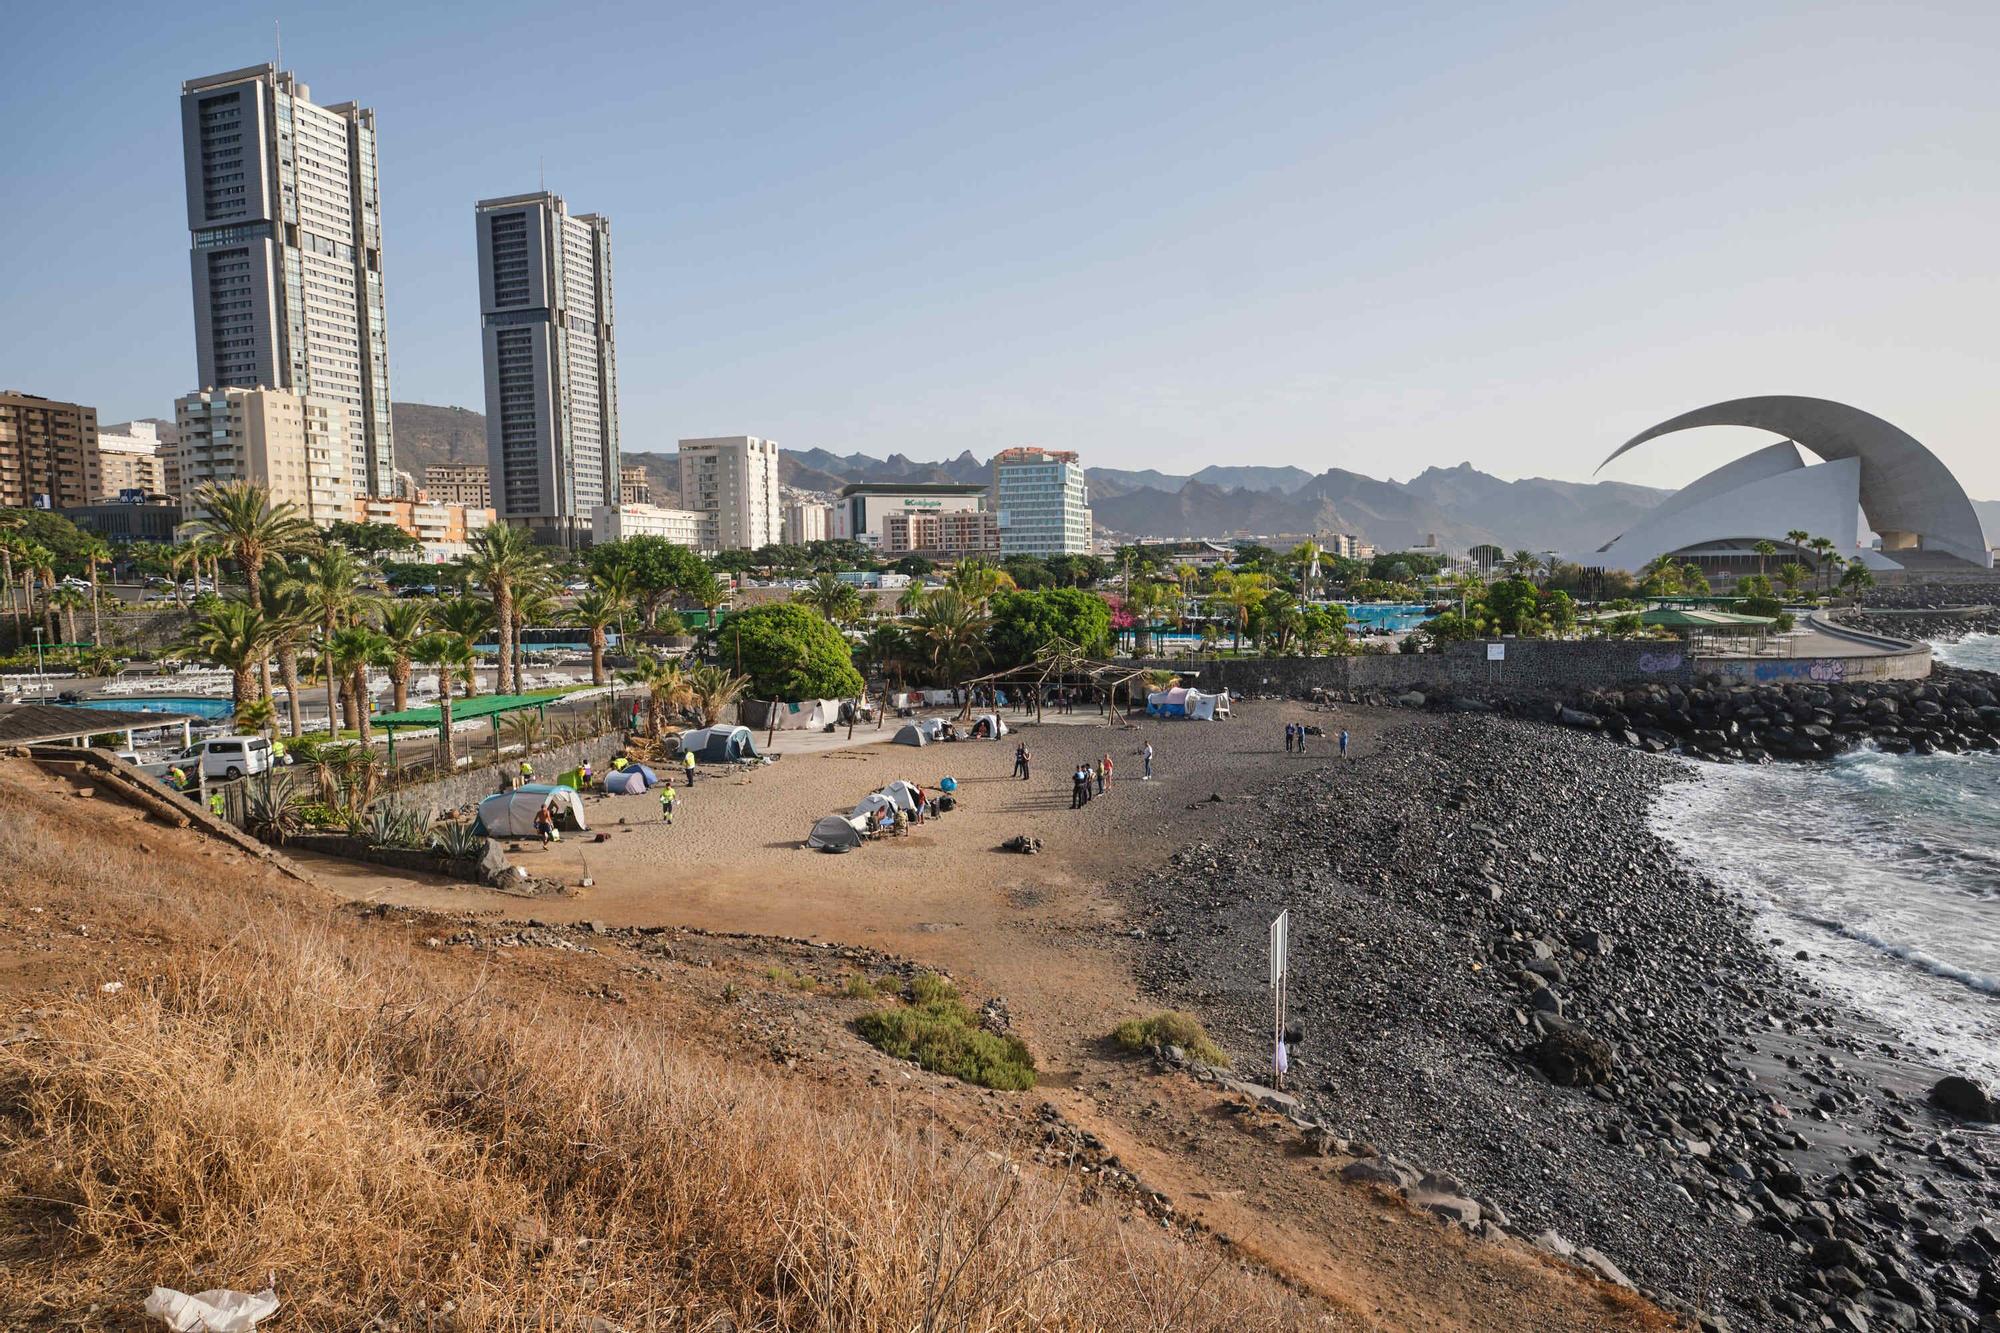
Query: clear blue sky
x=1331, y=235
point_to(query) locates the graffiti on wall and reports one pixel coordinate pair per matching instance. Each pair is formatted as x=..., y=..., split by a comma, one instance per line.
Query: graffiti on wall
x=1653, y=663
x=1822, y=670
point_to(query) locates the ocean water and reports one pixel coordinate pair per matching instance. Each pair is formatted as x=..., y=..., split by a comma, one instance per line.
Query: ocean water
x=1884, y=868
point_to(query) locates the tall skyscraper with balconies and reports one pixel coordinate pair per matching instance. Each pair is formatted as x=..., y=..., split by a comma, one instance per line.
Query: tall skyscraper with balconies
x=551, y=366
x=285, y=246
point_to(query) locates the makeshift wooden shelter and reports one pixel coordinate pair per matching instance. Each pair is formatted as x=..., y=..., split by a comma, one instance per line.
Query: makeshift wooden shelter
x=1062, y=664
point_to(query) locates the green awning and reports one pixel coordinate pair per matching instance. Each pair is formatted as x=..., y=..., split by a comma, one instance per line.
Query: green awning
x=464, y=709
x=1666, y=617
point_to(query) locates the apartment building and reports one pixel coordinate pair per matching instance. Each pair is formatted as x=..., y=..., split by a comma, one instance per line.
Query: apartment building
x=735, y=478
x=128, y=460
x=458, y=484
x=446, y=531
x=695, y=529
x=551, y=364
x=1043, y=502
x=285, y=250
x=634, y=486
x=807, y=522
x=45, y=451
x=298, y=449
x=941, y=535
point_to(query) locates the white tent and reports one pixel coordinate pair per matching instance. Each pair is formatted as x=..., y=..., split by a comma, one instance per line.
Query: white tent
x=869, y=804
x=511, y=814
x=932, y=727
x=995, y=728
x=836, y=833
x=911, y=734
x=904, y=794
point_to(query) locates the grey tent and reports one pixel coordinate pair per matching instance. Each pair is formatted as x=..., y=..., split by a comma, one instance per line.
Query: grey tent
x=720, y=745
x=911, y=734
x=834, y=833
x=511, y=814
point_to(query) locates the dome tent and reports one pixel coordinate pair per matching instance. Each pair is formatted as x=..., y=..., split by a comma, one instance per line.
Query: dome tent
x=511, y=814
x=720, y=745
x=834, y=833
x=911, y=734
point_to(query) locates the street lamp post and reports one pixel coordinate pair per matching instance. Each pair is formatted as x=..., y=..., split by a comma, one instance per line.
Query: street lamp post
x=41, y=673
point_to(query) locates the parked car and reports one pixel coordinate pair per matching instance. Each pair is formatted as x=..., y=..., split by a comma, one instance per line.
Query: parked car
x=219, y=757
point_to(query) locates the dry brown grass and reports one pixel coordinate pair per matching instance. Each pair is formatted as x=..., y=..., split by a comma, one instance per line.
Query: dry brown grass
x=292, y=1094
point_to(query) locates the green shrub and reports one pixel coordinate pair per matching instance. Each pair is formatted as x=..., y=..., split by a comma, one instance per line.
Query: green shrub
x=930, y=988
x=943, y=1035
x=1171, y=1027
x=791, y=980
x=859, y=987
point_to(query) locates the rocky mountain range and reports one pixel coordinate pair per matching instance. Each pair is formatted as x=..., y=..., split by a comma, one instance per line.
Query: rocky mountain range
x=1461, y=505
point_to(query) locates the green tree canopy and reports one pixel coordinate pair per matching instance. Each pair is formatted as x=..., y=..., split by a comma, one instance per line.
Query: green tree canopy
x=790, y=652
x=658, y=568
x=372, y=539
x=1025, y=619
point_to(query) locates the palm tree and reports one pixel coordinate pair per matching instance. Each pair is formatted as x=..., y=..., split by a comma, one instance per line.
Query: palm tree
x=1792, y=575
x=1523, y=564
x=713, y=689
x=953, y=627
x=288, y=605
x=598, y=609
x=41, y=573
x=67, y=601
x=534, y=600
x=348, y=653
x=502, y=559
x=1242, y=593
x=240, y=517
x=1765, y=549
x=620, y=584
x=1307, y=555
x=976, y=580
x=837, y=601
x=911, y=599
x=884, y=650
x=94, y=551
x=404, y=625
x=234, y=635
x=1823, y=548
x=1797, y=537
x=1856, y=577
x=9, y=544
x=707, y=592
x=469, y=619
x=331, y=577
x=451, y=654
x=668, y=688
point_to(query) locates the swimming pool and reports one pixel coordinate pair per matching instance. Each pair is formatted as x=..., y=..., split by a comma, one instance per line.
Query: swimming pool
x=199, y=706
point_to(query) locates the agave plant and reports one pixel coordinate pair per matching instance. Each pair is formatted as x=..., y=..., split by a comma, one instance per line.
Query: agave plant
x=455, y=838
x=396, y=824
x=273, y=812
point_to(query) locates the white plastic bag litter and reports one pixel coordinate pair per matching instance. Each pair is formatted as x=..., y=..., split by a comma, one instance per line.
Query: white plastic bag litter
x=218, y=1311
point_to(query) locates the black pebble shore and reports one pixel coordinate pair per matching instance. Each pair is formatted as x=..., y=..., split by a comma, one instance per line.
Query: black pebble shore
x=1479, y=910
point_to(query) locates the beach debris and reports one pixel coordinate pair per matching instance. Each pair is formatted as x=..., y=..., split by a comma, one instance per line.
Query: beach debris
x=218, y=1311
x=1022, y=843
x=111, y=987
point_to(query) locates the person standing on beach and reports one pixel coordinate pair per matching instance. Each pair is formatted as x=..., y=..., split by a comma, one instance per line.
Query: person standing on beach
x=687, y=765
x=1302, y=738
x=667, y=803
x=1021, y=762
x=1079, y=788
x=1107, y=769
x=1096, y=771
x=1147, y=755
x=1288, y=738
x=1343, y=742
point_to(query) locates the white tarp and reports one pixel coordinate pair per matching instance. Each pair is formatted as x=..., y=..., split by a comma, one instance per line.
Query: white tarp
x=808, y=715
x=511, y=814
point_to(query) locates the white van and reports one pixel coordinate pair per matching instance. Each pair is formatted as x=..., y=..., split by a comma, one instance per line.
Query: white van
x=221, y=757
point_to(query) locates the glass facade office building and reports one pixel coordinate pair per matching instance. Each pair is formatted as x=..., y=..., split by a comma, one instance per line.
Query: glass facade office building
x=1043, y=501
